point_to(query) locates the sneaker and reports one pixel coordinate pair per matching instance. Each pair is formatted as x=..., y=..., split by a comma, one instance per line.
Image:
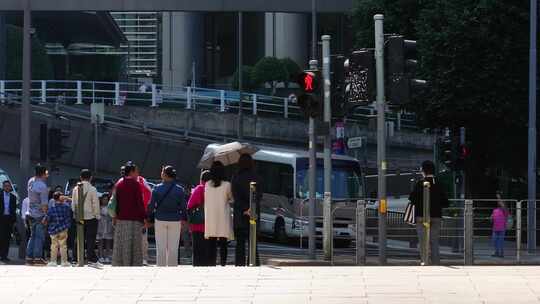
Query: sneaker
x=29, y=262
x=52, y=264
x=66, y=264
x=108, y=260
x=6, y=260
x=102, y=260
x=145, y=263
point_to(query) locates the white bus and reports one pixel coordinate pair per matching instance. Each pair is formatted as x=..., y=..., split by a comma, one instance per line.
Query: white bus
x=284, y=207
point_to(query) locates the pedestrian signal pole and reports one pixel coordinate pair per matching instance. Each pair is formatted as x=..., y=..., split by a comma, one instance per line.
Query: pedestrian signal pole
x=312, y=178
x=327, y=204
x=381, y=135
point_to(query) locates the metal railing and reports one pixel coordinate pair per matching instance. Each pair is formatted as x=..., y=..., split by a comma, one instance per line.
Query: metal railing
x=191, y=98
x=465, y=234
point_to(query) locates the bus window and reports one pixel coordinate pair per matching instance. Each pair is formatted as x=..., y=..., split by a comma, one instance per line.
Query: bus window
x=277, y=178
x=346, y=183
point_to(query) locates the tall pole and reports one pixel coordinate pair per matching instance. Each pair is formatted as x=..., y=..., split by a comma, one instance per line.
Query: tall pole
x=240, y=106
x=381, y=136
x=312, y=179
x=313, y=30
x=531, y=208
x=96, y=145
x=25, y=105
x=327, y=209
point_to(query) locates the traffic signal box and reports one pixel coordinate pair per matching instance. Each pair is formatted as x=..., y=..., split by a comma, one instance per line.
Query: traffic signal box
x=401, y=63
x=310, y=98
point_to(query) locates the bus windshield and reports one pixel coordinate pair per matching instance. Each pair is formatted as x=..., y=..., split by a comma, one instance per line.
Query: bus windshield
x=346, y=182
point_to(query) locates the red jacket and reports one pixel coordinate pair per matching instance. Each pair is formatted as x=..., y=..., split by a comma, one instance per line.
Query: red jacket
x=129, y=200
x=196, y=199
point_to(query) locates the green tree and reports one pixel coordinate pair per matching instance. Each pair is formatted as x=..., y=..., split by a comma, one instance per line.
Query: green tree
x=473, y=53
x=41, y=64
x=270, y=70
x=248, y=78
x=292, y=68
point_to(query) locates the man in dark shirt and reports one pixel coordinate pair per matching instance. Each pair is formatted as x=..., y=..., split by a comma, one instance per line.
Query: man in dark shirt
x=8, y=205
x=242, y=209
x=438, y=201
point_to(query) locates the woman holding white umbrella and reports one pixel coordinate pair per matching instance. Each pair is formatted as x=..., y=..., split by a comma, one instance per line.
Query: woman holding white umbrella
x=217, y=212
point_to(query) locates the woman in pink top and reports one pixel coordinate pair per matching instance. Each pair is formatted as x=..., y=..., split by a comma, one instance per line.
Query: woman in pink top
x=200, y=244
x=499, y=218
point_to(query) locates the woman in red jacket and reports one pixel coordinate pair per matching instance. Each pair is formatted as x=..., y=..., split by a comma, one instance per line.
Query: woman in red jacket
x=200, y=244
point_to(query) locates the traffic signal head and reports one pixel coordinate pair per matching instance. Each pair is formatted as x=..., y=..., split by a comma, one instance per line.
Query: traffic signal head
x=360, y=77
x=309, y=81
x=310, y=100
x=401, y=61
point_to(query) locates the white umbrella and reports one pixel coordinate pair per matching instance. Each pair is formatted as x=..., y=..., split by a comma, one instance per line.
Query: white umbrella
x=227, y=154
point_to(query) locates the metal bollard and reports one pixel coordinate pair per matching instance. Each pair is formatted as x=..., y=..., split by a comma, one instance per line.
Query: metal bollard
x=327, y=227
x=518, y=232
x=469, y=233
x=426, y=222
x=360, y=232
x=253, y=225
x=80, y=226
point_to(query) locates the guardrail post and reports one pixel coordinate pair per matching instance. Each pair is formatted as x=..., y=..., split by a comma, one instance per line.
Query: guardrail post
x=469, y=233
x=426, y=223
x=43, y=92
x=253, y=224
x=518, y=232
x=254, y=96
x=188, y=98
x=361, y=232
x=222, y=101
x=154, y=96
x=3, y=98
x=79, y=92
x=286, y=107
x=116, y=93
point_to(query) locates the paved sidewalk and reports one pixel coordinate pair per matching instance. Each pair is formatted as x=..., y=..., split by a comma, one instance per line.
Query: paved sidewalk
x=153, y=285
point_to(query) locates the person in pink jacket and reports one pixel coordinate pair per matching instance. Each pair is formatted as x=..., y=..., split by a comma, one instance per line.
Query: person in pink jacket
x=499, y=217
x=200, y=244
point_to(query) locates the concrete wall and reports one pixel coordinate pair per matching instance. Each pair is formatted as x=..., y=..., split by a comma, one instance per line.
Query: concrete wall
x=115, y=147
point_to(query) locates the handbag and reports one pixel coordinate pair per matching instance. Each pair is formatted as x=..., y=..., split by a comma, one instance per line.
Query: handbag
x=196, y=215
x=112, y=206
x=509, y=222
x=152, y=215
x=409, y=217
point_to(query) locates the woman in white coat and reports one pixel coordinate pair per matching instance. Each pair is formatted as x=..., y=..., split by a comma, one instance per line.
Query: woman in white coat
x=217, y=213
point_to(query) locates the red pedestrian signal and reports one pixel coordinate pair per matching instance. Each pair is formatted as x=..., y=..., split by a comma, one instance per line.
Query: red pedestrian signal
x=308, y=82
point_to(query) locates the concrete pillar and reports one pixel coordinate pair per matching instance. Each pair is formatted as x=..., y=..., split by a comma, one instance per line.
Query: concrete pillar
x=182, y=45
x=3, y=46
x=286, y=36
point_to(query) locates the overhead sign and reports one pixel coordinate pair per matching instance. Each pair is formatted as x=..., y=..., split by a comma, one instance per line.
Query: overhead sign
x=355, y=142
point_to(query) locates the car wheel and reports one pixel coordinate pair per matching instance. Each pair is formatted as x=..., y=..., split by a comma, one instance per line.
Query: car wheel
x=280, y=234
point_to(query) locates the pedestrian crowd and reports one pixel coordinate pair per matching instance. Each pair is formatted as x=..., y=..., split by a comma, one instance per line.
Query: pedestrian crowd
x=115, y=224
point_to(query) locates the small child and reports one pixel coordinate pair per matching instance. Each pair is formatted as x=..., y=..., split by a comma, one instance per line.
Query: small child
x=59, y=218
x=105, y=231
x=499, y=218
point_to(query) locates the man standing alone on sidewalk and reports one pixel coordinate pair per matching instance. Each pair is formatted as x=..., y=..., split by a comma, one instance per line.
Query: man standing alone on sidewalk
x=438, y=201
x=91, y=210
x=8, y=207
